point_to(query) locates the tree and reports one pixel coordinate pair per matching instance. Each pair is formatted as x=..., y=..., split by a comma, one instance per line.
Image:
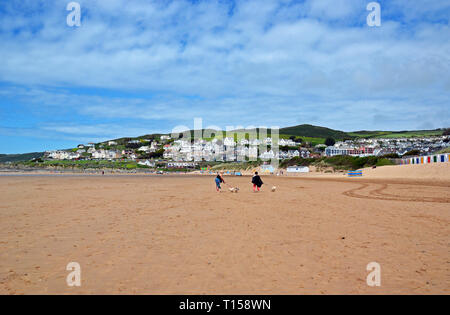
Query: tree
x=132, y=145
x=329, y=142
x=412, y=153
x=446, y=132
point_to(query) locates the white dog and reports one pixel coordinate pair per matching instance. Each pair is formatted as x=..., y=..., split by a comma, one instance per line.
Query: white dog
x=234, y=189
x=274, y=188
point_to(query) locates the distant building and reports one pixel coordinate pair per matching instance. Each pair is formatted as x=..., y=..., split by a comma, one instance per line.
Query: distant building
x=297, y=169
x=344, y=150
x=63, y=155
x=181, y=165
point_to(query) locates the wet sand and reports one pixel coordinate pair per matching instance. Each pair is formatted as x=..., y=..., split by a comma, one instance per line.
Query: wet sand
x=176, y=235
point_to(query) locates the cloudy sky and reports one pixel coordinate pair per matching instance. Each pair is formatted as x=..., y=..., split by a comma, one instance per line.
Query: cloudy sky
x=135, y=67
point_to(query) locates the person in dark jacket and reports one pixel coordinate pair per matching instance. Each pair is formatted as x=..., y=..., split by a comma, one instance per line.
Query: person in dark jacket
x=219, y=179
x=257, y=182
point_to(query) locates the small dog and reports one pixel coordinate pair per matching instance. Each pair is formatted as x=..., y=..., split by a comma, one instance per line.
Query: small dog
x=234, y=189
x=274, y=188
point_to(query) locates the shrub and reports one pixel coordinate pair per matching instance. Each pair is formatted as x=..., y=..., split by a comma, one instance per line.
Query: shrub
x=383, y=162
x=412, y=152
x=391, y=156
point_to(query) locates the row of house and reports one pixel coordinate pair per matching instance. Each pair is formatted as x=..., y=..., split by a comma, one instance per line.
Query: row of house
x=378, y=147
x=228, y=149
x=346, y=150
x=100, y=154
x=184, y=151
x=62, y=155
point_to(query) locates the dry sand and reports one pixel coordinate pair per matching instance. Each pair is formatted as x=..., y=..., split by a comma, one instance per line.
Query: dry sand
x=161, y=235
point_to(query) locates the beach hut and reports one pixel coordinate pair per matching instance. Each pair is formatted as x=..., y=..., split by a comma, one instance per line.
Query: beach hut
x=297, y=169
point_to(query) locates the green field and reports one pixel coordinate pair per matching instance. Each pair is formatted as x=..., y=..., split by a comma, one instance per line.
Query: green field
x=396, y=134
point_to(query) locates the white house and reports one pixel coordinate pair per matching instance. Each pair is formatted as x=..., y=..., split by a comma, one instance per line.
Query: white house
x=146, y=149
x=99, y=154
x=286, y=142
x=147, y=163
x=63, y=155
x=267, y=141
x=229, y=141
x=267, y=155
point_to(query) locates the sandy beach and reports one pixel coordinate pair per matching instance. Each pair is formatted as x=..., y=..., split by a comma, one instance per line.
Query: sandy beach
x=176, y=235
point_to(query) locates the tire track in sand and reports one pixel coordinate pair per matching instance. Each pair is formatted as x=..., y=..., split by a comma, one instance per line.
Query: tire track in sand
x=379, y=194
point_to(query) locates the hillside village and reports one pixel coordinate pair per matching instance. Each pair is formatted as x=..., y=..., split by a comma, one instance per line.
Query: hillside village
x=186, y=153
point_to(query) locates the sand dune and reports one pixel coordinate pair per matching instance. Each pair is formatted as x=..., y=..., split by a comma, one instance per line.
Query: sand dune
x=160, y=235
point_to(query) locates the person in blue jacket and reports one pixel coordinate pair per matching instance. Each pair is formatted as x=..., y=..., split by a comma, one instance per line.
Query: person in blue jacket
x=219, y=179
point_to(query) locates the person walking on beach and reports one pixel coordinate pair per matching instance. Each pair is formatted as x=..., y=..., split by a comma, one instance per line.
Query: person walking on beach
x=257, y=182
x=219, y=179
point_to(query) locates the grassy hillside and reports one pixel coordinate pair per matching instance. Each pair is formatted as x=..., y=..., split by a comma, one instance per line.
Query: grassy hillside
x=20, y=157
x=309, y=133
x=396, y=134
x=446, y=150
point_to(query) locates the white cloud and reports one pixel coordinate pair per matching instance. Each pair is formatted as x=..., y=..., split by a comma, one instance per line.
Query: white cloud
x=273, y=62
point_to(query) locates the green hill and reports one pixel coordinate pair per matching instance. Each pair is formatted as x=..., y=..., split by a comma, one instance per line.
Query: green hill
x=20, y=157
x=315, y=132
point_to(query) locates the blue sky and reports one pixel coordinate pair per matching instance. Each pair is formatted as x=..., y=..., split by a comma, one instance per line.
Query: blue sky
x=136, y=67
